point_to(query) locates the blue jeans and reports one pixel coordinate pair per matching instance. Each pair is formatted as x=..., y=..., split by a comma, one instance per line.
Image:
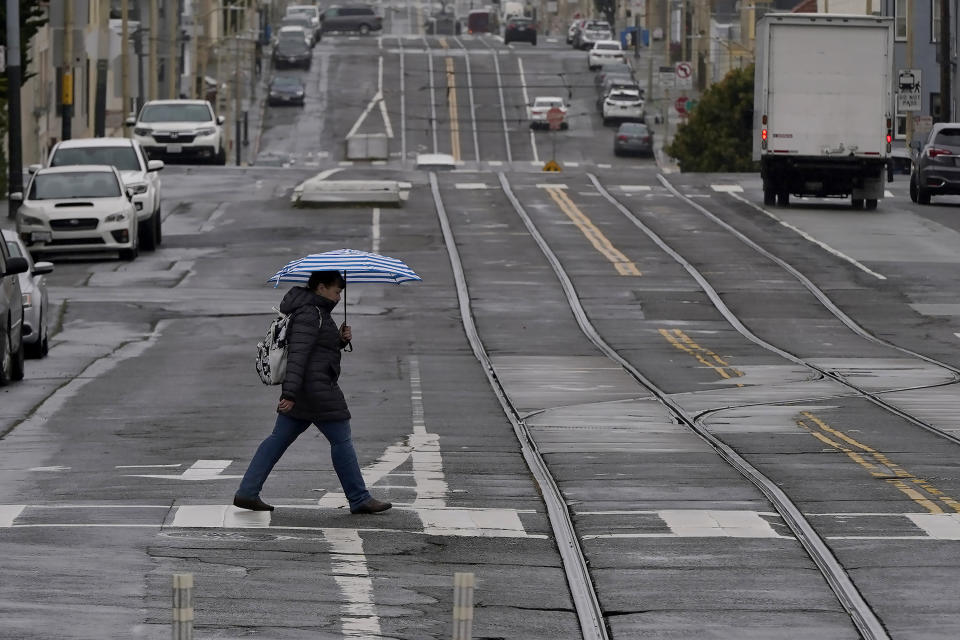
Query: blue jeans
x=287, y=430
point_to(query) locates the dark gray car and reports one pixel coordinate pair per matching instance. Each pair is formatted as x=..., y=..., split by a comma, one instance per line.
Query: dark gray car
x=360, y=18
x=937, y=167
x=633, y=138
x=11, y=316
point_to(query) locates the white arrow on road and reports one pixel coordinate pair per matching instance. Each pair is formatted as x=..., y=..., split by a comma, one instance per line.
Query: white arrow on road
x=199, y=470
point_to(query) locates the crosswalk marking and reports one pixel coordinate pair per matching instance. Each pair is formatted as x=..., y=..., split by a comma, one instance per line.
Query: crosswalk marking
x=9, y=513
x=219, y=516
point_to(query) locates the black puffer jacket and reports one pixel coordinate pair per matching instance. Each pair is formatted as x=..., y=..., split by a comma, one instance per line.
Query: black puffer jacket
x=313, y=358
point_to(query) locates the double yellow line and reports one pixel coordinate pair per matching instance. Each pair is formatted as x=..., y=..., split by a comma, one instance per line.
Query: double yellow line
x=452, y=101
x=705, y=356
x=621, y=263
x=879, y=465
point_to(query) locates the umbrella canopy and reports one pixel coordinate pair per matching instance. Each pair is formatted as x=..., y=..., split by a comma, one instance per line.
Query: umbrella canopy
x=356, y=266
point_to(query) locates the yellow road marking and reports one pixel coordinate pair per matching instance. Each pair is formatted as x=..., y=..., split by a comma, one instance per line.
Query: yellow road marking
x=420, y=30
x=685, y=343
x=885, y=468
x=452, y=100
x=623, y=265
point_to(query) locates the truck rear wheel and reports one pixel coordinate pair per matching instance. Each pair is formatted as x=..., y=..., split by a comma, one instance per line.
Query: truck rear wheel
x=783, y=198
x=769, y=197
x=857, y=203
x=871, y=204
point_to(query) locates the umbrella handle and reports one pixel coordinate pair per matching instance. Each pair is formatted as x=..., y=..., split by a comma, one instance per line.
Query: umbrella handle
x=349, y=345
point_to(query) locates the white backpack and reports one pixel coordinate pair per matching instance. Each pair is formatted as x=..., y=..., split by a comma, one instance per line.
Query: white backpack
x=272, y=350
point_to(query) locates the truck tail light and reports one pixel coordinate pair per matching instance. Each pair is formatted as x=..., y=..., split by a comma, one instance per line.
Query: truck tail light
x=933, y=152
x=763, y=135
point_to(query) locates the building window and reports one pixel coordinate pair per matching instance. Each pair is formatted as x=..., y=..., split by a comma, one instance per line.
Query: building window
x=900, y=9
x=901, y=131
x=934, y=20
x=935, y=106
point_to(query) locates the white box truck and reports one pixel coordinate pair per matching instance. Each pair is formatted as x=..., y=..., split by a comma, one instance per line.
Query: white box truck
x=823, y=106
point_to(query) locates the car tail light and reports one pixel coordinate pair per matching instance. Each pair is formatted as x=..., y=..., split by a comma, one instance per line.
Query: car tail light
x=646, y=139
x=622, y=138
x=511, y=26
x=933, y=152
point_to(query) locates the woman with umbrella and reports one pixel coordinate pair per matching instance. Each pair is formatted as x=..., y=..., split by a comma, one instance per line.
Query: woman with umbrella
x=311, y=394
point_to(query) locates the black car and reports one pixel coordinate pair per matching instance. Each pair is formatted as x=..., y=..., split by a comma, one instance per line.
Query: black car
x=936, y=171
x=519, y=29
x=286, y=90
x=633, y=138
x=360, y=18
x=291, y=52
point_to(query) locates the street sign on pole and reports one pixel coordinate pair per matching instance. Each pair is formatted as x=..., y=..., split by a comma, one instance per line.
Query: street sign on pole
x=667, y=76
x=909, y=91
x=555, y=118
x=684, y=72
x=680, y=104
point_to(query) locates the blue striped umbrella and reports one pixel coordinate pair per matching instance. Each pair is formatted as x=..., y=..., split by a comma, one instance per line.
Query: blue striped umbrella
x=356, y=266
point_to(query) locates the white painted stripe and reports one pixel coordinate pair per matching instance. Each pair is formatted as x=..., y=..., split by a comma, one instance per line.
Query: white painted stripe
x=548, y=185
x=942, y=526
x=9, y=513
x=719, y=524
x=604, y=166
x=634, y=187
x=487, y=523
x=471, y=185
x=495, y=163
x=810, y=238
x=147, y=466
x=219, y=516
x=526, y=100
x=572, y=164
x=727, y=188
x=346, y=163
x=349, y=565
x=212, y=220
x=887, y=193
x=375, y=230
x=957, y=334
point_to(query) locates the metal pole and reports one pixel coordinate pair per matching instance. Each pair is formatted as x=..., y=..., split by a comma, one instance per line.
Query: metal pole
x=683, y=29
x=152, y=55
x=946, y=95
x=909, y=61
x=172, y=66
x=463, y=584
x=125, y=57
x=103, y=55
x=183, y=606
x=66, y=94
x=15, y=169
x=196, y=91
x=236, y=96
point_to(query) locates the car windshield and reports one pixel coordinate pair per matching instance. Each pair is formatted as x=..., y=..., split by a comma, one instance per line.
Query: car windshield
x=292, y=45
x=14, y=248
x=123, y=158
x=175, y=113
x=948, y=137
x=598, y=26
x=76, y=184
x=286, y=81
x=634, y=128
x=607, y=46
x=299, y=20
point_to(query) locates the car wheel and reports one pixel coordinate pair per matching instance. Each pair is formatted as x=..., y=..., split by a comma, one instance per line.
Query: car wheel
x=783, y=198
x=913, y=189
x=17, y=371
x=36, y=349
x=871, y=204
x=923, y=196
x=769, y=197
x=221, y=157
x=857, y=203
x=158, y=231
x=6, y=360
x=147, y=233
x=129, y=255
x=364, y=29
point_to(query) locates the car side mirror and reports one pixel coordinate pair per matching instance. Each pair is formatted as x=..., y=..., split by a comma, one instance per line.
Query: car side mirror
x=129, y=194
x=33, y=168
x=130, y=121
x=40, y=268
x=221, y=119
x=16, y=196
x=15, y=266
x=155, y=165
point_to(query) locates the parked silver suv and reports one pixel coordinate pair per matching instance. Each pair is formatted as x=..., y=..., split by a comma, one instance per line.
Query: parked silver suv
x=180, y=129
x=936, y=170
x=11, y=314
x=361, y=18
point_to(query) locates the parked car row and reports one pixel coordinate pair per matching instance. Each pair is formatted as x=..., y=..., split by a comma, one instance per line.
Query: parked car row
x=619, y=97
x=583, y=34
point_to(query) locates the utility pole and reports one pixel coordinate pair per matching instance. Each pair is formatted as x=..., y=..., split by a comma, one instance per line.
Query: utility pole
x=125, y=57
x=171, y=7
x=909, y=61
x=946, y=94
x=66, y=93
x=152, y=50
x=196, y=91
x=15, y=170
x=103, y=55
x=683, y=29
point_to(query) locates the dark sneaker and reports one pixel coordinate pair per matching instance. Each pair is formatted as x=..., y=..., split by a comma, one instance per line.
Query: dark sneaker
x=372, y=506
x=254, y=504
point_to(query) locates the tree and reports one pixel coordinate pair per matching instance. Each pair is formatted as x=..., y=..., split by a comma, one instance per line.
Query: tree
x=718, y=137
x=32, y=20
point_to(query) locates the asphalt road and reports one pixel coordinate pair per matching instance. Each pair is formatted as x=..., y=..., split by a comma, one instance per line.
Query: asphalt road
x=121, y=450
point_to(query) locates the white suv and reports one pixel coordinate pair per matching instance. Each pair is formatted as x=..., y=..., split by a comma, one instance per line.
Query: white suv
x=175, y=129
x=604, y=51
x=140, y=175
x=623, y=105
